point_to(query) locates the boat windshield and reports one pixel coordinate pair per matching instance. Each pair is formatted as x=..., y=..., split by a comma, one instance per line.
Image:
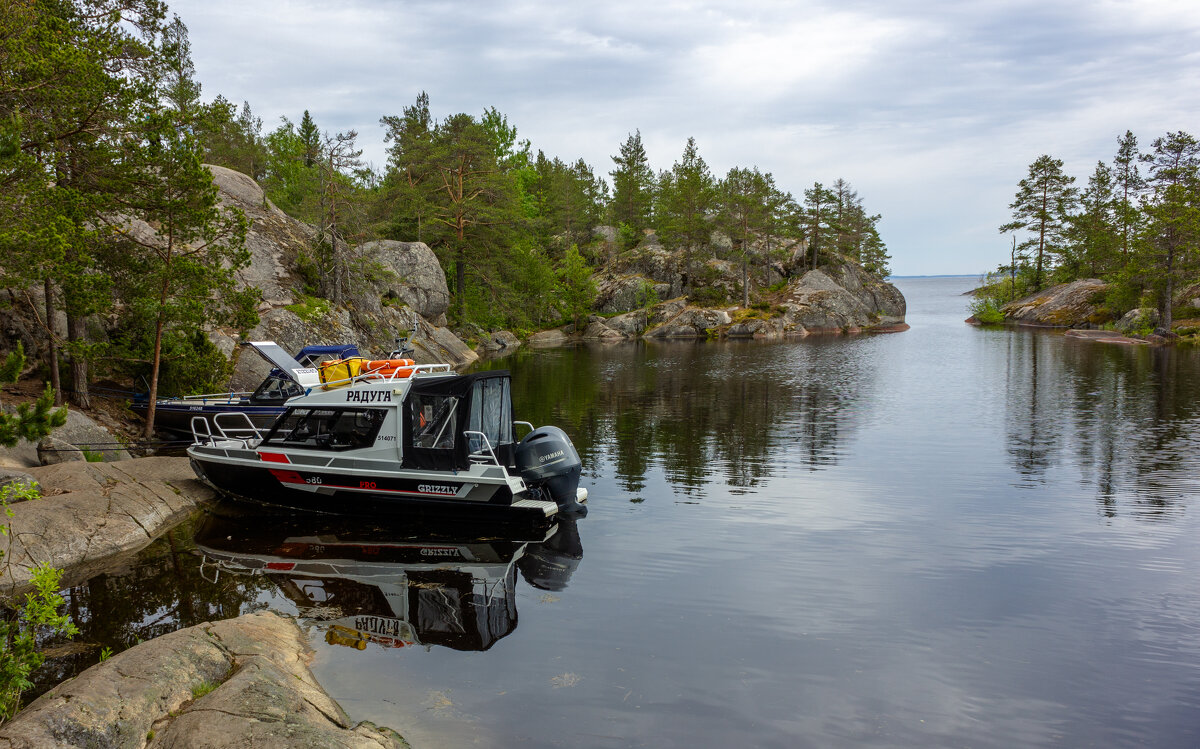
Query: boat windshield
x=327, y=428
x=276, y=390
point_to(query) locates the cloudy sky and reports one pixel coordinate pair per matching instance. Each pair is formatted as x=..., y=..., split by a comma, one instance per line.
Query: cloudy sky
x=933, y=110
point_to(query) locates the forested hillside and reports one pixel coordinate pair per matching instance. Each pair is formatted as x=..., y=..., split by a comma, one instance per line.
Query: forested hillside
x=113, y=239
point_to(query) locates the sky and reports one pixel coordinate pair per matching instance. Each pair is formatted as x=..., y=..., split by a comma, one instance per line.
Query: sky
x=932, y=110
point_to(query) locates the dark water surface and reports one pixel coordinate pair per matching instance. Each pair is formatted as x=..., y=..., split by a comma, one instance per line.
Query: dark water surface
x=943, y=537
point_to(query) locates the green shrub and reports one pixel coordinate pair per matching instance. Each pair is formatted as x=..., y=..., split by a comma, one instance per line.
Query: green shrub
x=310, y=308
x=984, y=309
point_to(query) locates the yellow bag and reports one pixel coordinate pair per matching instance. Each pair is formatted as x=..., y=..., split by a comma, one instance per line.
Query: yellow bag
x=337, y=373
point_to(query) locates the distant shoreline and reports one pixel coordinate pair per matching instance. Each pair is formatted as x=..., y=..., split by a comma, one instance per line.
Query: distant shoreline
x=942, y=275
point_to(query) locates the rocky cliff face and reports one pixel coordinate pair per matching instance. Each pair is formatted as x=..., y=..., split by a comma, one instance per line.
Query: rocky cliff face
x=403, y=286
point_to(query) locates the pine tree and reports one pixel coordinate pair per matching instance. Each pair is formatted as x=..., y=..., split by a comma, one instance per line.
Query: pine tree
x=633, y=188
x=1171, y=239
x=1128, y=185
x=1043, y=202
x=743, y=195
x=686, y=197
x=819, y=219
x=180, y=279
x=577, y=290
x=340, y=158
x=1094, y=231
x=70, y=76
x=310, y=137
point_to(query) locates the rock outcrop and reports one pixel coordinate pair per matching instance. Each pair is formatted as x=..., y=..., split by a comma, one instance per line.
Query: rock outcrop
x=408, y=273
x=241, y=682
x=837, y=299
x=402, y=285
x=93, y=515
x=1067, y=305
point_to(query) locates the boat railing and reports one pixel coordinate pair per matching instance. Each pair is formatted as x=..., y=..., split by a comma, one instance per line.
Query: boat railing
x=525, y=424
x=229, y=425
x=394, y=376
x=482, y=456
x=205, y=397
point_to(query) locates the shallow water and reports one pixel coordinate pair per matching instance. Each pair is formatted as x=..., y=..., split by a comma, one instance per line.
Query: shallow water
x=949, y=536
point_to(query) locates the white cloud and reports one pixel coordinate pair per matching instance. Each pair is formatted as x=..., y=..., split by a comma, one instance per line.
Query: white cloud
x=932, y=110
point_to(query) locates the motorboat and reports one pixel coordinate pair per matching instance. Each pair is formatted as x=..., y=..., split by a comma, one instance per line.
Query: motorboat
x=390, y=438
x=261, y=405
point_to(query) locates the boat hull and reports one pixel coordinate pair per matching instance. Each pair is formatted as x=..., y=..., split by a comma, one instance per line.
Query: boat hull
x=176, y=418
x=311, y=489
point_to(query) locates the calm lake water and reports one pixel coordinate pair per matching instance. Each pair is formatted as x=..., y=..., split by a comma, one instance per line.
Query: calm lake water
x=943, y=537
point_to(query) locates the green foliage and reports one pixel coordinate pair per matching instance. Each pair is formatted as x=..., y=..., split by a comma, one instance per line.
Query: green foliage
x=648, y=295
x=37, y=616
x=106, y=653
x=633, y=186
x=985, y=310
x=203, y=688
x=686, y=196
x=577, y=290
x=1041, y=207
x=310, y=308
x=92, y=456
x=30, y=422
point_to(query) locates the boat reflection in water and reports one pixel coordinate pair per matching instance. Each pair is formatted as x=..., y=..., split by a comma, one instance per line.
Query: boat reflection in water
x=395, y=585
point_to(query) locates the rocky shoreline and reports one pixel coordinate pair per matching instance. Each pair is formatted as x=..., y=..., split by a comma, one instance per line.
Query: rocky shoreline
x=1079, y=307
x=234, y=683
x=241, y=682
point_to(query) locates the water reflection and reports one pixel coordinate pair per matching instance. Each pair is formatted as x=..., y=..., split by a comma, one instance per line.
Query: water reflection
x=160, y=591
x=1126, y=416
x=396, y=586
x=733, y=410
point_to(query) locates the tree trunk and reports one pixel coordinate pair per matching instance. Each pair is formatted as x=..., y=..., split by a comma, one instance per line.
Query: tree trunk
x=460, y=283
x=52, y=344
x=154, y=367
x=79, y=367
x=1167, y=319
x=745, y=281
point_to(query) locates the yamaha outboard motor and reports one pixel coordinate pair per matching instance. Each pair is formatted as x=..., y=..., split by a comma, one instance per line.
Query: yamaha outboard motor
x=548, y=463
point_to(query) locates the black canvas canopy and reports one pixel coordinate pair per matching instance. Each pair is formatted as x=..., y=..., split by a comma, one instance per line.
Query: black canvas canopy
x=439, y=410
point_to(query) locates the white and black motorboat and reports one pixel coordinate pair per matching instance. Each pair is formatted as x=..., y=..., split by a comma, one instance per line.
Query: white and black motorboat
x=392, y=439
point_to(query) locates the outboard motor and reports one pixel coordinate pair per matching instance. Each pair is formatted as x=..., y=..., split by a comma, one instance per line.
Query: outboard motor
x=548, y=463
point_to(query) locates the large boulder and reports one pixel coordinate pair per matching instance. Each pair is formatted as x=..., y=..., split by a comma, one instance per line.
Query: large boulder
x=547, y=338
x=82, y=431
x=241, y=682
x=52, y=451
x=407, y=272
x=626, y=293
x=841, y=298
x=275, y=240
x=691, y=322
x=1067, y=305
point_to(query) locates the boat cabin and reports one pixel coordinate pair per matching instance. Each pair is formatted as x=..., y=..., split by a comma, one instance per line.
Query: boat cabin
x=427, y=422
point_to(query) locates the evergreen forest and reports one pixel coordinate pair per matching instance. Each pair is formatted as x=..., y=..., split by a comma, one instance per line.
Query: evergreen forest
x=1135, y=225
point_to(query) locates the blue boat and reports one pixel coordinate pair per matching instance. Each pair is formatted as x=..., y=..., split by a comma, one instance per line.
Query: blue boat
x=261, y=405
